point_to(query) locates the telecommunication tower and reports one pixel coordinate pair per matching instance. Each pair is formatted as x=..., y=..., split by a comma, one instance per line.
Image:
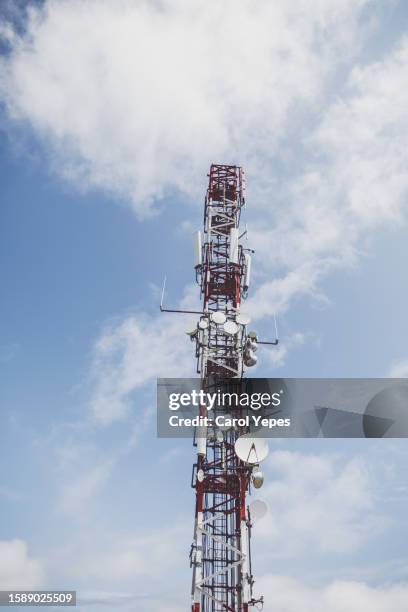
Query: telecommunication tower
x=228, y=459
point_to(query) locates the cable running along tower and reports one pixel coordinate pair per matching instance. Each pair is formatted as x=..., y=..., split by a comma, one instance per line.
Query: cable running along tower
x=228, y=460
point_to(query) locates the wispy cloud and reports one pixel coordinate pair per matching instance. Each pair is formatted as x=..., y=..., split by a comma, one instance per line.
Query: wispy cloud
x=324, y=166
x=17, y=569
x=355, y=181
x=399, y=369
x=318, y=501
x=150, y=92
x=133, y=352
x=285, y=594
x=79, y=491
x=277, y=356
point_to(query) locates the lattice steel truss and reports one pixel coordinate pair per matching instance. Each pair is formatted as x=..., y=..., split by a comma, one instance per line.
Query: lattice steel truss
x=220, y=553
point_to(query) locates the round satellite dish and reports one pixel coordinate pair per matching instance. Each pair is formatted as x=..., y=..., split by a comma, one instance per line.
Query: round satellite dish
x=203, y=324
x=250, y=359
x=253, y=335
x=191, y=331
x=243, y=319
x=200, y=475
x=258, y=509
x=251, y=450
x=252, y=345
x=231, y=328
x=218, y=317
x=257, y=477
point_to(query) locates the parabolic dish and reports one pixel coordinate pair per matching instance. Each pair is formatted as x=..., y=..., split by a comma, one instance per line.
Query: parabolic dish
x=203, y=324
x=257, y=509
x=251, y=450
x=243, y=319
x=231, y=328
x=190, y=331
x=218, y=317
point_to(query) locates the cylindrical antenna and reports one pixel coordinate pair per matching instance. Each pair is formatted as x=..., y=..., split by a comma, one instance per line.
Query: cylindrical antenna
x=162, y=294
x=247, y=277
x=197, y=249
x=276, y=327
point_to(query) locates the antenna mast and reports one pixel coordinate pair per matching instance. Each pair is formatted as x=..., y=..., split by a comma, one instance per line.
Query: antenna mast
x=223, y=473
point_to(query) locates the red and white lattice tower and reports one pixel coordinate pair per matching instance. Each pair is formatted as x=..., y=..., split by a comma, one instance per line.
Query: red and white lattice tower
x=227, y=457
x=220, y=553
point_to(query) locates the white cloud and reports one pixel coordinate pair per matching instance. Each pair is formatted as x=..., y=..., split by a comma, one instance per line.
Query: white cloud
x=78, y=491
x=132, y=353
x=17, y=569
x=278, y=354
x=143, y=554
x=366, y=135
x=126, y=602
x=138, y=97
x=322, y=502
x=285, y=594
x=138, y=101
x=354, y=182
x=399, y=369
x=120, y=566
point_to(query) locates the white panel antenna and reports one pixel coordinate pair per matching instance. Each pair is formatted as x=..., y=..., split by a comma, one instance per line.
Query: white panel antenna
x=234, y=251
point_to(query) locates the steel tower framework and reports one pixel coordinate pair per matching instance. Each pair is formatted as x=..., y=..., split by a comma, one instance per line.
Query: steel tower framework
x=220, y=553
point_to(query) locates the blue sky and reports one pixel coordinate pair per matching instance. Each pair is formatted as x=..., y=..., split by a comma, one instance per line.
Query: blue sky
x=108, y=128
